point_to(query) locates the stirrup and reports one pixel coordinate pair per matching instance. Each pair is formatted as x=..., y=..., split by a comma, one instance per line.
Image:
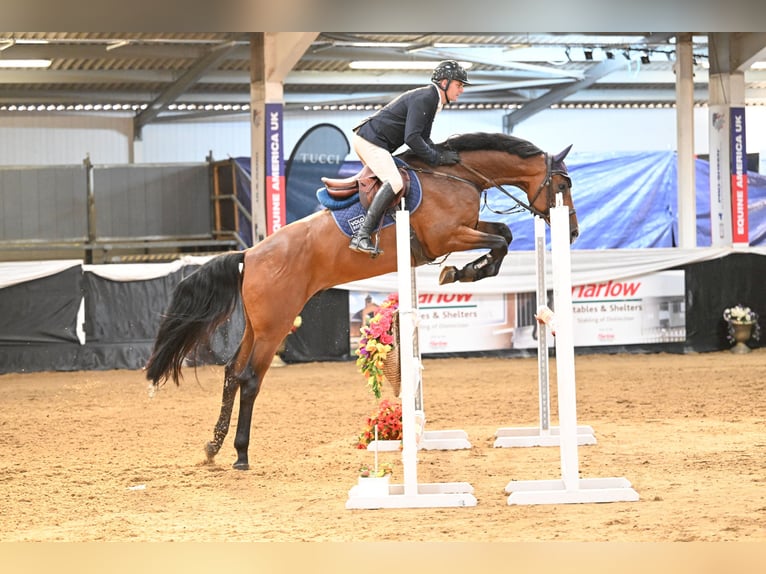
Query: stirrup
x=355, y=245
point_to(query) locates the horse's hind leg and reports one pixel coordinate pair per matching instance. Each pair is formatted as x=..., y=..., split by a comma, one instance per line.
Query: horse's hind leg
x=237, y=370
x=488, y=265
x=250, y=385
x=230, y=385
x=248, y=391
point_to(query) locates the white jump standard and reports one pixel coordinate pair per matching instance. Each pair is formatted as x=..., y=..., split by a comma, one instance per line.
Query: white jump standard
x=544, y=434
x=410, y=494
x=570, y=488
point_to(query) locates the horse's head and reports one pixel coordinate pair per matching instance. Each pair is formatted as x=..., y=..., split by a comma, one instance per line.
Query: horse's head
x=556, y=181
x=502, y=159
x=560, y=182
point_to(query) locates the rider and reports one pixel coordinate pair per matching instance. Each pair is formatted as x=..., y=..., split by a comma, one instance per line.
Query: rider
x=406, y=119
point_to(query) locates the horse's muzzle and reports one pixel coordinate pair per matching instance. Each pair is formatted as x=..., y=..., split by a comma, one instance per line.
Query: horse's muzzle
x=573, y=234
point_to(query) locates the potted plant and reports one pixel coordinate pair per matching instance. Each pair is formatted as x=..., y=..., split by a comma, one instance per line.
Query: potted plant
x=742, y=325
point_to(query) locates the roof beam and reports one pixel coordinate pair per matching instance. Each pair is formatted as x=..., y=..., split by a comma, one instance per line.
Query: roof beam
x=183, y=83
x=746, y=49
x=558, y=94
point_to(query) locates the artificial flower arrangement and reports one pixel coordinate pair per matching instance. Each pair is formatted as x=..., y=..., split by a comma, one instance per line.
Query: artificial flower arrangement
x=376, y=342
x=741, y=315
x=388, y=421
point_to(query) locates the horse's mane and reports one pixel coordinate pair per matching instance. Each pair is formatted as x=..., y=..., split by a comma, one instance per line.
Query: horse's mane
x=492, y=142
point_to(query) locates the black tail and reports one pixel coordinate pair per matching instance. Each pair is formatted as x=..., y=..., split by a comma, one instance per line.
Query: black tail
x=200, y=303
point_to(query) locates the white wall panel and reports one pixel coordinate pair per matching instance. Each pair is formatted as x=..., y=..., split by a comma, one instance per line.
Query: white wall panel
x=42, y=139
x=172, y=142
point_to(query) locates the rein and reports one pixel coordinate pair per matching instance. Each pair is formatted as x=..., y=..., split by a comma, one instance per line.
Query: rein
x=546, y=184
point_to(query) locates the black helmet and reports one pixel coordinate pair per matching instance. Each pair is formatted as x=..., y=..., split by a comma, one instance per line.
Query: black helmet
x=449, y=70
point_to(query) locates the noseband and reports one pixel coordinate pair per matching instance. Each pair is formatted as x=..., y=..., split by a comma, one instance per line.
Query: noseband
x=547, y=184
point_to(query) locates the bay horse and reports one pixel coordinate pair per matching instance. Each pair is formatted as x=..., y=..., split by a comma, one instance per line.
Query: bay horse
x=276, y=277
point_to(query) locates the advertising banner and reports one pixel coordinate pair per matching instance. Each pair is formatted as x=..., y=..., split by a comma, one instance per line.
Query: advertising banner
x=720, y=204
x=320, y=152
x=449, y=322
x=739, y=219
x=644, y=309
x=275, y=169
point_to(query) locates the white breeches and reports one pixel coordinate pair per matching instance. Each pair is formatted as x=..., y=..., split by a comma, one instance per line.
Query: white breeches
x=379, y=160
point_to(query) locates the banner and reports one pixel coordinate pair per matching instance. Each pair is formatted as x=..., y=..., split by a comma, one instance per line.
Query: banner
x=319, y=153
x=275, y=175
x=448, y=322
x=644, y=309
x=739, y=211
x=720, y=179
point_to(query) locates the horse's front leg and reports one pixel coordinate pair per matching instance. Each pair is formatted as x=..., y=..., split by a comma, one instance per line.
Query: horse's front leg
x=497, y=237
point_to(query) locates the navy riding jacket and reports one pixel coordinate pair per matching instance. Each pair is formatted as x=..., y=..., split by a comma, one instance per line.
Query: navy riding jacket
x=406, y=119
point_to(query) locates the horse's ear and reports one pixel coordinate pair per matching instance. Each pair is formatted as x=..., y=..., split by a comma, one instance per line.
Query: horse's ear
x=559, y=157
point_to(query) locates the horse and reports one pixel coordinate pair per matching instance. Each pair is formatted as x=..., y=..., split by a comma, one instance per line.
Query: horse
x=276, y=277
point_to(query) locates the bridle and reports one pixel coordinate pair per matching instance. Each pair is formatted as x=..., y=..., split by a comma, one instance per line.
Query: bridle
x=546, y=184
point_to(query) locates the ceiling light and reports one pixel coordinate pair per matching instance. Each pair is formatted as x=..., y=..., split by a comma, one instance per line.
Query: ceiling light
x=397, y=65
x=758, y=65
x=24, y=63
x=118, y=44
x=362, y=44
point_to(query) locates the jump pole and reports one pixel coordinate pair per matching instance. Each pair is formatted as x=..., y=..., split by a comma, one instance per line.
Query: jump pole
x=544, y=434
x=411, y=493
x=570, y=488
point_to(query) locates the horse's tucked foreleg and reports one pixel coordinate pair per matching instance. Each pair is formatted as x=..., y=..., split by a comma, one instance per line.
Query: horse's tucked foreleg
x=488, y=265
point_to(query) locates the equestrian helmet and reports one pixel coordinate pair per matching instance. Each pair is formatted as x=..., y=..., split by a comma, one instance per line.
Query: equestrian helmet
x=449, y=70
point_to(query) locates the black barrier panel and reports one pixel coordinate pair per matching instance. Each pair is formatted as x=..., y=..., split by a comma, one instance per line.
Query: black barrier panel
x=717, y=284
x=43, y=310
x=324, y=333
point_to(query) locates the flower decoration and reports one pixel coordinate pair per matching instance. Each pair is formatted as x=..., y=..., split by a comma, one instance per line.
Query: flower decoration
x=376, y=342
x=384, y=468
x=741, y=315
x=388, y=419
x=297, y=322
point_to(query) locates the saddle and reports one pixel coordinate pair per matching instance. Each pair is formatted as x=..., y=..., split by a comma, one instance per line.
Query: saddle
x=365, y=183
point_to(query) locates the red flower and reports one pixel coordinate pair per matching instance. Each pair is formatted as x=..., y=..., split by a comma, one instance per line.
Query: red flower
x=389, y=423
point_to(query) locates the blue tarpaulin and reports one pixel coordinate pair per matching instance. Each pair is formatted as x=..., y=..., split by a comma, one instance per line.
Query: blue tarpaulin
x=624, y=200
x=630, y=201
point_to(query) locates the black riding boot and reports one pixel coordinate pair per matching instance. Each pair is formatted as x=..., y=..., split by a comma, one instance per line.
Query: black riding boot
x=361, y=240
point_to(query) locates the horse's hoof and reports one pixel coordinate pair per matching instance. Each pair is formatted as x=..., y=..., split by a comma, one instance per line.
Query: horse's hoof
x=448, y=275
x=210, y=452
x=240, y=466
